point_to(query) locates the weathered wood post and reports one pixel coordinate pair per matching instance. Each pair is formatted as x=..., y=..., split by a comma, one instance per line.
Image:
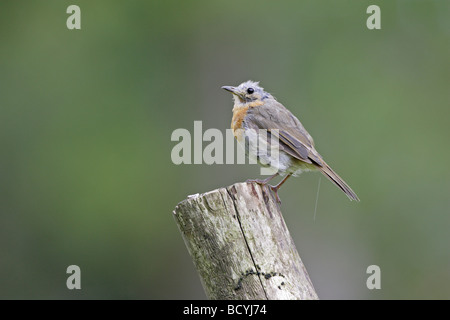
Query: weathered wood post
x=241, y=246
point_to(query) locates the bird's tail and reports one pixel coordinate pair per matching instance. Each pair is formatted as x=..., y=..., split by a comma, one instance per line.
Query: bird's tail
x=333, y=177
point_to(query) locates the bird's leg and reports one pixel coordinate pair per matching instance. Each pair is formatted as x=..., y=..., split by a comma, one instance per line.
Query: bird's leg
x=275, y=188
x=262, y=182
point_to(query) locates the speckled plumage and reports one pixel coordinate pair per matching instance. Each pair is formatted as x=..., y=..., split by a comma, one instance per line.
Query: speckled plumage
x=254, y=109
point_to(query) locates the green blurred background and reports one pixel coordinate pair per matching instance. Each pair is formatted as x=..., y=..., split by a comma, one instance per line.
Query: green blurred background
x=86, y=118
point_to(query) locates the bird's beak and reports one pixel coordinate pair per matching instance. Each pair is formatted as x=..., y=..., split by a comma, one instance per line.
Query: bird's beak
x=230, y=89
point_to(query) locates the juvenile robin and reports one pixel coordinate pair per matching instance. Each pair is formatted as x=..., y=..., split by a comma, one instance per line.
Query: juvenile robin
x=254, y=109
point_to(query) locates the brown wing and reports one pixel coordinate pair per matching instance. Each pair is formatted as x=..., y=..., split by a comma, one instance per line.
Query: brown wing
x=293, y=137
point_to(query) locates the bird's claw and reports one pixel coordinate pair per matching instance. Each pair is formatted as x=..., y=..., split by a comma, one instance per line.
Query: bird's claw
x=258, y=181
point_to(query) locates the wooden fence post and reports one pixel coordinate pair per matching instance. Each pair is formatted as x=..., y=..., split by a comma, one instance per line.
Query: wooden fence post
x=241, y=246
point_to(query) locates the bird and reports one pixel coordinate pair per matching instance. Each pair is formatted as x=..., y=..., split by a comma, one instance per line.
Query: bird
x=256, y=110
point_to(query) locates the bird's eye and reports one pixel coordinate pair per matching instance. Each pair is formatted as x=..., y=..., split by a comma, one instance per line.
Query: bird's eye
x=250, y=90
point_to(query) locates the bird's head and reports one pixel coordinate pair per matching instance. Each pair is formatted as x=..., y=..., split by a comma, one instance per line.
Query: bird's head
x=248, y=92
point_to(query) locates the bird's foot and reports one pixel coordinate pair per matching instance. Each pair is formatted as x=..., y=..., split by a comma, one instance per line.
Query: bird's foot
x=275, y=192
x=258, y=181
x=262, y=182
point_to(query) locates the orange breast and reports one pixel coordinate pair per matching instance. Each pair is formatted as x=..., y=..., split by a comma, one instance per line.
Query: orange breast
x=236, y=122
x=239, y=114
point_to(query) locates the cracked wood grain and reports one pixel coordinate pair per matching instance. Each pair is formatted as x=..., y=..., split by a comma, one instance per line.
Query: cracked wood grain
x=241, y=246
